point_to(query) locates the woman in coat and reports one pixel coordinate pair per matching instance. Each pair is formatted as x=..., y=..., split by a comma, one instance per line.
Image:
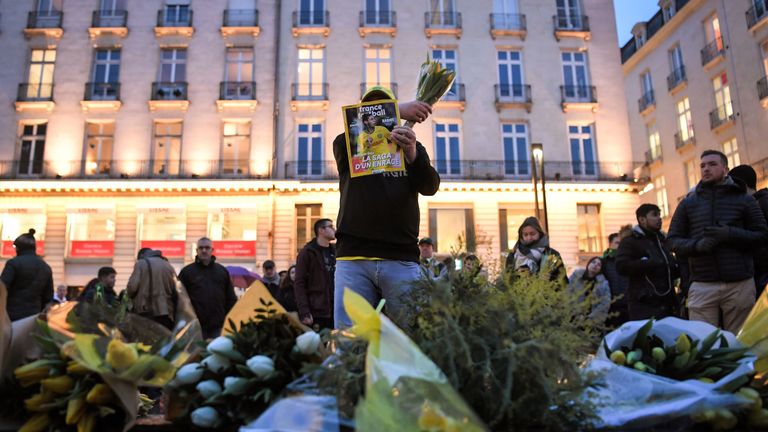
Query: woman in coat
x=592, y=286
x=532, y=254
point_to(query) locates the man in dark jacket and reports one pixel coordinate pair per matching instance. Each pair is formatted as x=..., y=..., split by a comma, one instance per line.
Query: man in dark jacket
x=378, y=223
x=618, y=283
x=718, y=227
x=28, y=278
x=315, y=267
x=271, y=278
x=102, y=288
x=748, y=176
x=210, y=289
x=643, y=258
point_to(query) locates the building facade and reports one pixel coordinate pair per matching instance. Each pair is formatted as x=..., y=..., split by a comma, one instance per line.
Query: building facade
x=130, y=124
x=697, y=70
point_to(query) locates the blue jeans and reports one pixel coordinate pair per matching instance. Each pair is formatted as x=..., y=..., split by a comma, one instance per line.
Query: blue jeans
x=374, y=280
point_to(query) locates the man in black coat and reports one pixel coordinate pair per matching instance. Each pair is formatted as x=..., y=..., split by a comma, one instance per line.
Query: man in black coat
x=643, y=258
x=28, y=278
x=101, y=288
x=210, y=289
x=314, y=284
x=618, y=283
x=718, y=227
x=747, y=174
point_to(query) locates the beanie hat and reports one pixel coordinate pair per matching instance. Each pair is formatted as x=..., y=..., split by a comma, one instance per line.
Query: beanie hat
x=746, y=174
x=25, y=241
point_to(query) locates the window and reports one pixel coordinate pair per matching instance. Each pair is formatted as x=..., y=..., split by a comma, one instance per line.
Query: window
x=576, y=76
x=764, y=52
x=175, y=15
x=44, y=6
x=99, y=141
x=722, y=97
x=590, y=228
x=443, y=13
x=32, y=148
x=173, y=65
x=239, y=74
x=167, y=148
x=378, y=67
x=453, y=229
x=90, y=232
x=506, y=14
x=731, y=151
x=306, y=216
x=712, y=32
x=105, y=75
x=660, y=186
x=510, y=219
x=311, y=72
x=310, y=149
x=233, y=230
x=447, y=144
x=692, y=174
x=568, y=14
x=514, y=138
x=15, y=221
x=654, y=142
x=40, y=76
x=676, y=59
x=311, y=12
x=377, y=12
x=48, y=13
x=109, y=7
x=583, y=158
x=668, y=10
x=646, y=83
x=449, y=60
x=684, y=121
x=510, y=68
x=236, y=148
x=163, y=228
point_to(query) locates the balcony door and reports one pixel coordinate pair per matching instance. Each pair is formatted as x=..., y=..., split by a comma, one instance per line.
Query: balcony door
x=239, y=73
x=106, y=74
x=377, y=12
x=575, y=75
x=378, y=67
x=443, y=13
x=712, y=31
x=582, y=143
x=449, y=60
x=311, y=73
x=40, y=75
x=32, y=148
x=505, y=14
x=166, y=156
x=569, y=14
x=510, y=68
x=311, y=12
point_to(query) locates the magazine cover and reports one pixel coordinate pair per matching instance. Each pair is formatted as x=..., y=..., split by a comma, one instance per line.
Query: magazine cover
x=369, y=146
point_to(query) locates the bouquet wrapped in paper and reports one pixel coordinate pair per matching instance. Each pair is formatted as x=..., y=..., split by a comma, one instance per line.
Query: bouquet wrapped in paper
x=434, y=81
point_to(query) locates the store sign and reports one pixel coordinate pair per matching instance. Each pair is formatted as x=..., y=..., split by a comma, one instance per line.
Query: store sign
x=169, y=248
x=9, y=251
x=91, y=248
x=233, y=248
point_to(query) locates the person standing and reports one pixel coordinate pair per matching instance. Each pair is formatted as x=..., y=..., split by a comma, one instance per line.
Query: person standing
x=747, y=174
x=429, y=264
x=28, y=278
x=532, y=254
x=101, y=288
x=270, y=278
x=618, y=283
x=152, y=288
x=378, y=222
x=718, y=227
x=651, y=269
x=315, y=268
x=590, y=285
x=60, y=296
x=209, y=288
x=287, y=297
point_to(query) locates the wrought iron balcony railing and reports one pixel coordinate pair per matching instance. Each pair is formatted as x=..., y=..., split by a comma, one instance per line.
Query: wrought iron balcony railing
x=309, y=91
x=681, y=141
x=756, y=13
x=762, y=88
x=318, y=18
x=721, y=115
x=109, y=18
x=102, y=91
x=237, y=90
x=455, y=94
x=676, y=78
x=571, y=23
x=241, y=18
x=512, y=93
x=508, y=22
x=578, y=94
x=141, y=169
x=712, y=50
x=646, y=101
x=44, y=19
x=442, y=20
x=174, y=17
x=34, y=92
x=169, y=91
x=378, y=19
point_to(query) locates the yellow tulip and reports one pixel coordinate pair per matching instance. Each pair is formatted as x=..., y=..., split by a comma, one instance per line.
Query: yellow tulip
x=87, y=422
x=100, y=394
x=75, y=410
x=34, y=404
x=38, y=423
x=60, y=385
x=367, y=323
x=121, y=355
x=76, y=368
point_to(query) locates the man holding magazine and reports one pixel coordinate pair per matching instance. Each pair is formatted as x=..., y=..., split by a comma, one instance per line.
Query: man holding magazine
x=378, y=224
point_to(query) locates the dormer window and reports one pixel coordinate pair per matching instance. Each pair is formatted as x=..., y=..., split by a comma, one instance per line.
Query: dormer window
x=639, y=33
x=668, y=9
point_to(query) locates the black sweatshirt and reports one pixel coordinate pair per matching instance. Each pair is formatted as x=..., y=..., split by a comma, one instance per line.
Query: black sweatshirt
x=211, y=292
x=379, y=213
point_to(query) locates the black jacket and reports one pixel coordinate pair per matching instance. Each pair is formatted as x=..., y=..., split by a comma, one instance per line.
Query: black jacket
x=314, y=285
x=30, y=284
x=725, y=204
x=619, y=283
x=211, y=292
x=761, y=255
x=644, y=259
x=379, y=213
x=93, y=289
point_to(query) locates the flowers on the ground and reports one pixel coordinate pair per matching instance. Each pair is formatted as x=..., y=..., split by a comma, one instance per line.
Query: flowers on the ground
x=204, y=417
x=208, y=388
x=308, y=343
x=260, y=365
x=189, y=373
x=216, y=363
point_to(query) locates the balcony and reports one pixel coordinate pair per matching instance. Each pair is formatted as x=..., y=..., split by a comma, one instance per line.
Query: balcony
x=454, y=98
x=576, y=26
x=366, y=86
x=377, y=22
x=646, y=103
x=653, y=156
x=44, y=23
x=508, y=25
x=311, y=22
x=721, y=117
x=579, y=97
x=684, y=141
x=310, y=170
x=446, y=23
x=713, y=53
x=757, y=15
x=109, y=22
x=677, y=80
x=101, y=96
x=237, y=95
x=240, y=21
x=309, y=96
x=513, y=96
x=174, y=22
x=762, y=91
x=169, y=95
x=35, y=97
x=134, y=169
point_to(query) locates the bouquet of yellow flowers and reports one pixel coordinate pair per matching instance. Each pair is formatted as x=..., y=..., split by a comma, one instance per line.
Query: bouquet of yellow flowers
x=434, y=81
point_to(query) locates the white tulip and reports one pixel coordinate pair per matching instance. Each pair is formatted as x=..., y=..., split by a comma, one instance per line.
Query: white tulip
x=220, y=344
x=235, y=385
x=204, y=417
x=260, y=365
x=189, y=373
x=208, y=388
x=308, y=342
x=216, y=363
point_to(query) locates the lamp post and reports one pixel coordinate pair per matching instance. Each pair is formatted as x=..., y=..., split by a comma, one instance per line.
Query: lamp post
x=537, y=149
x=535, y=180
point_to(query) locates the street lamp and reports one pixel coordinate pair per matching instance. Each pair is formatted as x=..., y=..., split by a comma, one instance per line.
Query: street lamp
x=537, y=150
x=535, y=179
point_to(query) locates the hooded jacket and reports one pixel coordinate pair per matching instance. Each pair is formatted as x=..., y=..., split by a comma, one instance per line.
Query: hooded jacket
x=211, y=292
x=651, y=269
x=725, y=204
x=550, y=259
x=158, y=298
x=30, y=284
x=314, y=286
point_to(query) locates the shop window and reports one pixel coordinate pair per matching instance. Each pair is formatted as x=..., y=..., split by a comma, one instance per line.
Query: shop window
x=306, y=216
x=233, y=231
x=163, y=229
x=452, y=230
x=17, y=221
x=590, y=228
x=510, y=219
x=90, y=232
